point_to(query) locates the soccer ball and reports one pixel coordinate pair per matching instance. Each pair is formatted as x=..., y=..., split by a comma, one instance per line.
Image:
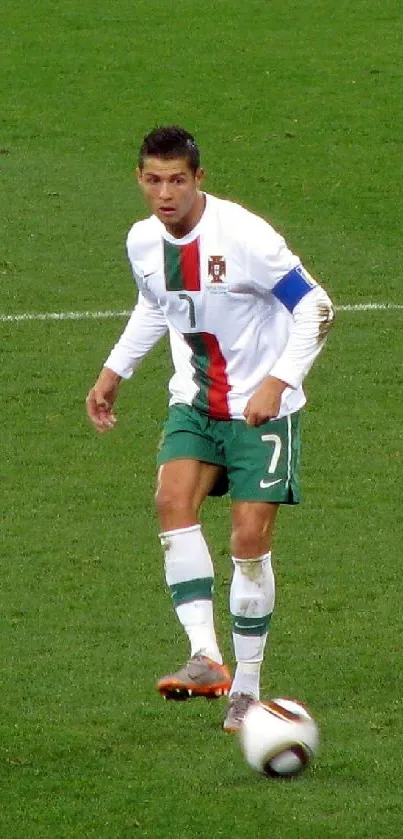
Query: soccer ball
x=279, y=737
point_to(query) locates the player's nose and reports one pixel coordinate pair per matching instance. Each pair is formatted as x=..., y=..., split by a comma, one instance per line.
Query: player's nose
x=165, y=191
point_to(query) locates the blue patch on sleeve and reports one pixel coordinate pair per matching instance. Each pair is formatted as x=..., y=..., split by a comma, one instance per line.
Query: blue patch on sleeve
x=293, y=287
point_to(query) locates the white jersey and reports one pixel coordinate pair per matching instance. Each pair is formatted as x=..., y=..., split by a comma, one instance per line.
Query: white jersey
x=237, y=304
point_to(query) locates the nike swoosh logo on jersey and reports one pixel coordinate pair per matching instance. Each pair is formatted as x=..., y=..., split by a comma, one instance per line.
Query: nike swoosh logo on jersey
x=267, y=484
x=150, y=273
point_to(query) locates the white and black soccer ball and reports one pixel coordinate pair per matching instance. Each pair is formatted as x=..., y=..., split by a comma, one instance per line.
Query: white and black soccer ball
x=279, y=737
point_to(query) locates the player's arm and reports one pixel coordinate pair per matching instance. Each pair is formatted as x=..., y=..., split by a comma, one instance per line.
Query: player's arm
x=145, y=327
x=277, y=272
x=312, y=317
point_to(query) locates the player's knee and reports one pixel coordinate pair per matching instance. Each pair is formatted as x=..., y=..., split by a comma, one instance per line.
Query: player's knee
x=249, y=539
x=171, y=501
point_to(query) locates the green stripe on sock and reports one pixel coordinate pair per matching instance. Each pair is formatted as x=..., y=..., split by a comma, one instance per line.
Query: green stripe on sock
x=251, y=626
x=199, y=589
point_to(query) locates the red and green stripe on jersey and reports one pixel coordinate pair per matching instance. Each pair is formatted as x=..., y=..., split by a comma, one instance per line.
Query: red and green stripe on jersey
x=182, y=266
x=210, y=376
x=182, y=273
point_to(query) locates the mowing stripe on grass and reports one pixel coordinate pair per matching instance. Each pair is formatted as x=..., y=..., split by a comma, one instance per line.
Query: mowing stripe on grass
x=125, y=313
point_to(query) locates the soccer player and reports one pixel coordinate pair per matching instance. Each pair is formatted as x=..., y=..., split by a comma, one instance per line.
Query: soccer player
x=245, y=321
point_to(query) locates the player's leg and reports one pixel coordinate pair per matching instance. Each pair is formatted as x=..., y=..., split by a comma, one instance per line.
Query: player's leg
x=182, y=486
x=264, y=474
x=183, y=483
x=189, y=573
x=252, y=597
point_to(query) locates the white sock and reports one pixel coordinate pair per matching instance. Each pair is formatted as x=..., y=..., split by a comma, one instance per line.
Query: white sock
x=252, y=599
x=189, y=574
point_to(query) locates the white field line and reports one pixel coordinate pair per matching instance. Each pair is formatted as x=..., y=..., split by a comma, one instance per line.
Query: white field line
x=26, y=316
x=125, y=313
x=369, y=307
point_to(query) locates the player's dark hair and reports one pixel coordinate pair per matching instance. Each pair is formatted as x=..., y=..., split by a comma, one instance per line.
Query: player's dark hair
x=170, y=142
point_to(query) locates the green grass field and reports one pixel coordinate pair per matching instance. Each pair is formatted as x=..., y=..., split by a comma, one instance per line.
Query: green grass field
x=297, y=108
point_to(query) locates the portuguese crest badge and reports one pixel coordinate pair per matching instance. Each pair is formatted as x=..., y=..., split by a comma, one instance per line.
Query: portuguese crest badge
x=217, y=273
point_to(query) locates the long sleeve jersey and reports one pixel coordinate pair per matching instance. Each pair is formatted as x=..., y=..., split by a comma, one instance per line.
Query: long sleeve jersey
x=236, y=302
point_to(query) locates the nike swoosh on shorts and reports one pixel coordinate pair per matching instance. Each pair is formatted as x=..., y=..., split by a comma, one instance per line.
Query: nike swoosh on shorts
x=267, y=484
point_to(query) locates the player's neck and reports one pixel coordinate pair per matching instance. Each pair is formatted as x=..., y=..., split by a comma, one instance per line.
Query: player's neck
x=189, y=222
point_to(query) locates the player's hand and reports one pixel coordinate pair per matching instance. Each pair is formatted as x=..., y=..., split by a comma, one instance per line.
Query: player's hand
x=100, y=401
x=265, y=403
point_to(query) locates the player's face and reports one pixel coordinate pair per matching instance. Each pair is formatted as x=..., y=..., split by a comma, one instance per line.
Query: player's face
x=171, y=190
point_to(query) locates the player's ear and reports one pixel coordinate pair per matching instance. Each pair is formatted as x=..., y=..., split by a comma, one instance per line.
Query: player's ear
x=199, y=175
x=139, y=175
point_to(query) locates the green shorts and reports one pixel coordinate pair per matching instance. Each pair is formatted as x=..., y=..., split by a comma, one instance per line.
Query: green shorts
x=260, y=464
